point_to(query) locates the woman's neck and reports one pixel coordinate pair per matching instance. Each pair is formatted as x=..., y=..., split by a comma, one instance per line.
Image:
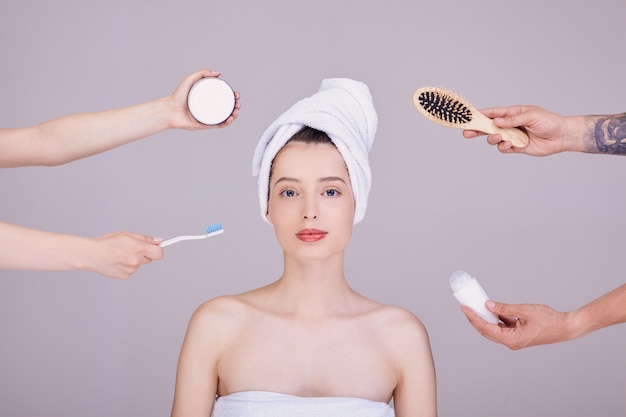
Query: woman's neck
x=313, y=288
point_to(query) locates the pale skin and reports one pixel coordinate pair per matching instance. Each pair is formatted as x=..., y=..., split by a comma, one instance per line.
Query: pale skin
x=308, y=333
x=527, y=325
x=68, y=138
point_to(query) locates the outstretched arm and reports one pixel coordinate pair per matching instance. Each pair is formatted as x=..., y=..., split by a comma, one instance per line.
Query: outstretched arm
x=115, y=255
x=550, y=133
x=69, y=138
x=527, y=325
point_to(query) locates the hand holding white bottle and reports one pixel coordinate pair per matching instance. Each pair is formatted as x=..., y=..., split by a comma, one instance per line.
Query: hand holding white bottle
x=468, y=291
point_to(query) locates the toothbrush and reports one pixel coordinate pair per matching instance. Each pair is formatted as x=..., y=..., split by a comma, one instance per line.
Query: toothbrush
x=214, y=229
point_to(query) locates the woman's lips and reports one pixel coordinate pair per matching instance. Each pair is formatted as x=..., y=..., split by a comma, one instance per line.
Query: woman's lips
x=311, y=235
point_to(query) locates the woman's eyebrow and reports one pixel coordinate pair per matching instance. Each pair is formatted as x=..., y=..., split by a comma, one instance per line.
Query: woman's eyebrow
x=330, y=179
x=323, y=179
x=286, y=179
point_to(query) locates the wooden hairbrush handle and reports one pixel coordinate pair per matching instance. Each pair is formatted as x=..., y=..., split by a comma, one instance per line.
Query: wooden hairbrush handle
x=482, y=123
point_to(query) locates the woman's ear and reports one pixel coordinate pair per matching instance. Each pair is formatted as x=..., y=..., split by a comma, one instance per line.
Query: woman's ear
x=268, y=217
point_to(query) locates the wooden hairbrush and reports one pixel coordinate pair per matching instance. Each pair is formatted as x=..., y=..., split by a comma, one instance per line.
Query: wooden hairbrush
x=451, y=110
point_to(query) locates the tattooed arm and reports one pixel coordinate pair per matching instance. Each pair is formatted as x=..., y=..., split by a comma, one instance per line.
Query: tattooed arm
x=550, y=133
x=609, y=134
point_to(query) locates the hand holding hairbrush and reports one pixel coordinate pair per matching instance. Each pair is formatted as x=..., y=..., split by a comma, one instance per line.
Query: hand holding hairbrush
x=451, y=110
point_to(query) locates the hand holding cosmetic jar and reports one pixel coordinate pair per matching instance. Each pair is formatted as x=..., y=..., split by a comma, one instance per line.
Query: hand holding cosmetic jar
x=211, y=101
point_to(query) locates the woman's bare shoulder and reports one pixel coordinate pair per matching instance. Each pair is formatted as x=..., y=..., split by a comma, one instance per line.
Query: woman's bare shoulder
x=398, y=323
x=228, y=308
x=224, y=310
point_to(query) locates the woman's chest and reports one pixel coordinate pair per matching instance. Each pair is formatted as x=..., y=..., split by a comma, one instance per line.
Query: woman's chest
x=312, y=359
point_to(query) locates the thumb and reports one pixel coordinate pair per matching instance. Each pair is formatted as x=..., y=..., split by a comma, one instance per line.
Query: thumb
x=152, y=240
x=501, y=309
x=509, y=314
x=514, y=120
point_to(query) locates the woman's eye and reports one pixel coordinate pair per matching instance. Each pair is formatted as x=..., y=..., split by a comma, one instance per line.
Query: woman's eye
x=331, y=193
x=288, y=193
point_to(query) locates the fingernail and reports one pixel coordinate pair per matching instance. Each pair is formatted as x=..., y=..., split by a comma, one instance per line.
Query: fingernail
x=491, y=304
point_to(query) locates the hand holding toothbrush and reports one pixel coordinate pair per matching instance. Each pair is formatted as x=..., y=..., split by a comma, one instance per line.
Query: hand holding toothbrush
x=114, y=255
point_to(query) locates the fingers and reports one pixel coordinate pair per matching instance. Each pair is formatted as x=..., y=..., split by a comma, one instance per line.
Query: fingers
x=504, y=146
x=496, y=307
x=187, y=82
x=203, y=73
x=505, y=117
x=233, y=115
x=185, y=85
x=490, y=331
x=473, y=318
x=509, y=314
x=509, y=321
x=507, y=333
x=518, y=116
x=150, y=250
x=501, y=112
x=124, y=252
x=150, y=240
x=494, y=139
x=490, y=112
x=485, y=328
x=470, y=134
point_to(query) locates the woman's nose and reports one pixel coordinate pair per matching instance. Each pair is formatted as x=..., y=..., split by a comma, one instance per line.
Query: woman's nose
x=310, y=210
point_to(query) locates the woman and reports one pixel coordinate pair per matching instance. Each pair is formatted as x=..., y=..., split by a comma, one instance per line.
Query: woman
x=307, y=344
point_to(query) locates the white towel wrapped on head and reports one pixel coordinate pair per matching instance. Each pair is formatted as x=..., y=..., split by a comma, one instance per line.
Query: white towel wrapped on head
x=343, y=109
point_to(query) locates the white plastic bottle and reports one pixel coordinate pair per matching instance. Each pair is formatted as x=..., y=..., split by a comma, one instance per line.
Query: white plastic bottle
x=468, y=291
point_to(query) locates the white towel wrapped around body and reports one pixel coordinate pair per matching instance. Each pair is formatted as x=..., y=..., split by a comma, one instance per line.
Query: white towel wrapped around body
x=343, y=109
x=270, y=404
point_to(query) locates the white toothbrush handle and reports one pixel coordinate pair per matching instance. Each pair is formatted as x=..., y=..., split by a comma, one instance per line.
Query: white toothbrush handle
x=180, y=238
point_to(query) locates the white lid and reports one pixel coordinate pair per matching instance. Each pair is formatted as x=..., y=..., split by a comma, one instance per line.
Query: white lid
x=211, y=101
x=459, y=279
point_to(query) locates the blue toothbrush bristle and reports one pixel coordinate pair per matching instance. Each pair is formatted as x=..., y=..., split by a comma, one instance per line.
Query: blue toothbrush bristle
x=214, y=228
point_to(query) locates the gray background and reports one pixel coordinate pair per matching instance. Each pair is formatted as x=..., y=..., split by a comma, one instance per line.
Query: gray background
x=544, y=230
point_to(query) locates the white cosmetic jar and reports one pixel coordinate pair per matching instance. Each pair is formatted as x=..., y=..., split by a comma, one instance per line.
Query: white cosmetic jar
x=211, y=101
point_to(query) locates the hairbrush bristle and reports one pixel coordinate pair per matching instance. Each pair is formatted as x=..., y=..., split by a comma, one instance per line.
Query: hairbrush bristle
x=444, y=106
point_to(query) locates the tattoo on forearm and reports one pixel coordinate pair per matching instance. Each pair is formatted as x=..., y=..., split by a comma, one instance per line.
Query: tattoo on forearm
x=610, y=134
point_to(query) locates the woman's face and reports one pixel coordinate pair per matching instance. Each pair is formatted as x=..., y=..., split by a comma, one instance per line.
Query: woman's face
x=311, y=204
